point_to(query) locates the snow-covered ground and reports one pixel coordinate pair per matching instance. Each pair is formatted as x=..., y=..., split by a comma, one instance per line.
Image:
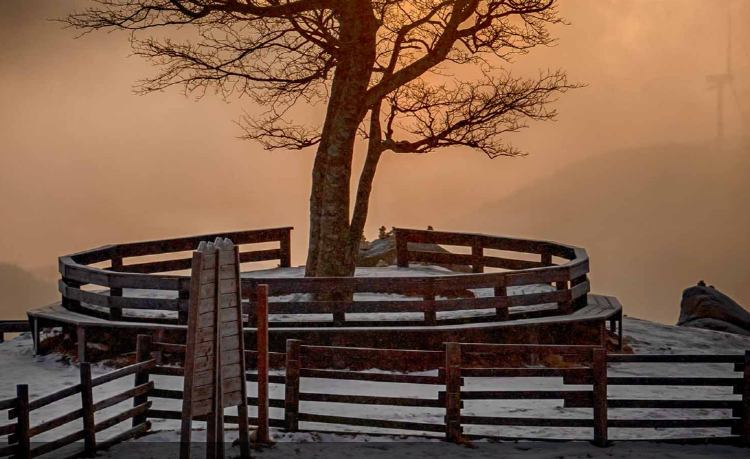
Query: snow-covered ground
x=46, y=374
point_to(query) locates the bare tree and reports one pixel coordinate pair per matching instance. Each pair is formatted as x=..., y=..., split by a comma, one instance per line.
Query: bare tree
x=382, y=66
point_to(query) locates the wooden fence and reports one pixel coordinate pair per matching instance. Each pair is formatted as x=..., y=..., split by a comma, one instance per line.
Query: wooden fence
x=456, y=363
x=21, y=434
x=12, y=326
x=429, y=297
x=76, y=273
x=452, y=371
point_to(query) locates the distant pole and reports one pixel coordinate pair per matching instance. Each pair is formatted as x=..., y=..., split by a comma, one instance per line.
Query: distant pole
x=719, y=81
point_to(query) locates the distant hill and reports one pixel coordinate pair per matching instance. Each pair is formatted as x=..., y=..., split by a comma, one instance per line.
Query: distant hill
x=654, y=221
x=20, y=291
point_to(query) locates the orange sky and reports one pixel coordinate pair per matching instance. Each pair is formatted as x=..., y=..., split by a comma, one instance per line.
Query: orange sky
x=84, y=162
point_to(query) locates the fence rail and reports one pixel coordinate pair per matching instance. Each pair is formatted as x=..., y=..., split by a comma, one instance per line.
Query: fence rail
x=22, y=432
x=427, y=296
x=455, y=366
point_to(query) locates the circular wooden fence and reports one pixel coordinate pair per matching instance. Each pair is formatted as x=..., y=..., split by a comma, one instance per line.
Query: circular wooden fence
x=103, y=282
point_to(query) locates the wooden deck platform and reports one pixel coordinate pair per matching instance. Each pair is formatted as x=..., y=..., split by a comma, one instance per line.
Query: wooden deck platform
x=599, y=311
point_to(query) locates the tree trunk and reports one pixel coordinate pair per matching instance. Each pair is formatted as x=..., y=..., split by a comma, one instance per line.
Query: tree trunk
x=362, y=203
x=328, y=253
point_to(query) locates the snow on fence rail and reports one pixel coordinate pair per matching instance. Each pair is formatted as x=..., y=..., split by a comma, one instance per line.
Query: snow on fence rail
x=455, y=366
x=21, y=434
x=457, y=363
x=569, y=278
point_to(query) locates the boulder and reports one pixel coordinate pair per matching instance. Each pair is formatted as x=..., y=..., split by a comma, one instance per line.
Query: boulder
x=705, y=307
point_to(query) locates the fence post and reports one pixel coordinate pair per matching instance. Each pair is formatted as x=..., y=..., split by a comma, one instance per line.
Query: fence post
x=402, y=249
x=87, y=403
x=262, y=294
x=430, y=315
x=291, y=399
x=502, y=313
x=182, y=315
x=23, y=425
x=746, y=403
x=285, y=247
x=142, y=354
x=453, y=392
x=600, y=396
x=81, y=338
x=115, y=313
x=477, y=252
x=566, y=307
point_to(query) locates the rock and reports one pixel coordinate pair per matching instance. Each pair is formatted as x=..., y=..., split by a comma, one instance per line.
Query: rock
x=707, y=308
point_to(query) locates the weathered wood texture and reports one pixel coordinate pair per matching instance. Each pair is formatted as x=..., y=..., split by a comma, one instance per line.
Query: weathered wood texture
x=76, y=272
x=570, y=278
x=22, y=431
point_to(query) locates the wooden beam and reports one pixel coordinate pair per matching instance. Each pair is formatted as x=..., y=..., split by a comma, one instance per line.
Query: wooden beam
x=453, y=392
x=262, y=338
x=87, y=403
x=292, y=385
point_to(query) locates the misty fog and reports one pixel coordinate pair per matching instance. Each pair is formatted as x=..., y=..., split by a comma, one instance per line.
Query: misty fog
x=630, y=169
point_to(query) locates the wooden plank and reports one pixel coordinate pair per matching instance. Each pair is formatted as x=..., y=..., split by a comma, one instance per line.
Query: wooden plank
x=185, y=244
x=7, y=404
x=142, y=355
x=124, y=436
x=525, y=349
x=262, y=339
x=204, y=363
x=582, y=395
x=55, y=422
x=373, y=423
x=202, y=407
x=318, y=356
x=673, y=404
x=166, y=393
x=376, y=377
x=227, y=315
x=672, y=423
x=232, y=384
x=228, y=286
x=370, y=400
x=233, y=398
x=206, y=320
x=203, y=378
x=122, y=372
x=51, y=398
x=583, y=373
x=242, y=410
x=673, y=381
x=123, y=396
x=7, y=429
x=133, y=413
x=230, y=329
x=679, y=358
x=600, y=397
x=230, y=343
x=87, y=408
x=292, y=387
x=453, y=392
x=208, y=291
x=23, y=424
x=231, y=371
x=532, y=422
